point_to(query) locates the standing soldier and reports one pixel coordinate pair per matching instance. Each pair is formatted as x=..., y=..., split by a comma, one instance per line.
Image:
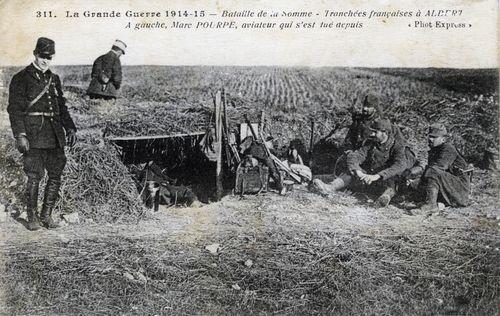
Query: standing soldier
x=444, y=175
x=107, y=73
x=40, y=122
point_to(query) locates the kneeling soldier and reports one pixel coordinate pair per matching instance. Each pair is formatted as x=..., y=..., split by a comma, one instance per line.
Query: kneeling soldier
x=444, y=175
x=381, y=161
x=40, y=122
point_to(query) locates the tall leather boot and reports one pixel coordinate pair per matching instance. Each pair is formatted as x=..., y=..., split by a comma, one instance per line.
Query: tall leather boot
x=276, y=175
x=33, y=222
x=49, y=201
x=281, y=187
x=431, y=191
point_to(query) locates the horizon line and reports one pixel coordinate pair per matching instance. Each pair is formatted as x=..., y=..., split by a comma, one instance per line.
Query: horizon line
x=274, y=66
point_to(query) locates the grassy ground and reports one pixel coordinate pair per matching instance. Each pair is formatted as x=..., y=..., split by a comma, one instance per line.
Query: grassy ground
x=298, y=254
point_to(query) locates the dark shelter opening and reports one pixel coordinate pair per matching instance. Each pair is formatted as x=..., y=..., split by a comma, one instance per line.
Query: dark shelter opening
x=174, y=163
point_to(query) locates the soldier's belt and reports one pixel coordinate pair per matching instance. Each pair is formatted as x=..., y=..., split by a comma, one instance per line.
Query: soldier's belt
x=45, y=114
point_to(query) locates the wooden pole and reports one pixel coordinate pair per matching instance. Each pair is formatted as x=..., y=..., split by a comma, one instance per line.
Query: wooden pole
x=311, y=143
x=254, y=134
x=262, y=121
x=231, y=150
x=218, y=149
x=225, y=131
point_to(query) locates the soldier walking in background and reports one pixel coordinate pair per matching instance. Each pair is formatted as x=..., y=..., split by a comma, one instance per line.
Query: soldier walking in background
x=40, y=122
x=107, y=73
x=444, y=175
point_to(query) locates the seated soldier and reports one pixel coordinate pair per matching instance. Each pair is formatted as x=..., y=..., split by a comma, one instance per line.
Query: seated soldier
x=293, y=156
x=258, y=151
x=380, y=162
x=443, y=177
x=359, y=131
x=295, y=162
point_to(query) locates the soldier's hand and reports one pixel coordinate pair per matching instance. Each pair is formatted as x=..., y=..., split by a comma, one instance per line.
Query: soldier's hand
x=104, y=79
x=22, y=144
x=361, y=175
x=413, y=183
x=71, y=138
x=369, y=179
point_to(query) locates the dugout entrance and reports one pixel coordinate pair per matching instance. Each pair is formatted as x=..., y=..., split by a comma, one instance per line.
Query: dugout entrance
x=203, y=162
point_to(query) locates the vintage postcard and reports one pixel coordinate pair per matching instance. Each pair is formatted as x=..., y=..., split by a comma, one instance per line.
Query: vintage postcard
x=227, y=157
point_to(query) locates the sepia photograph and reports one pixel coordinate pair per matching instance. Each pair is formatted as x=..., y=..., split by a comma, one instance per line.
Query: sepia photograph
x=249, y=158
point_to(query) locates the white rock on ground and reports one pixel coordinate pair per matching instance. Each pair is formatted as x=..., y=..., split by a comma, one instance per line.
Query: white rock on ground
x=128, y=276
x=213, y=248
x=236, y=287
x=141, y=277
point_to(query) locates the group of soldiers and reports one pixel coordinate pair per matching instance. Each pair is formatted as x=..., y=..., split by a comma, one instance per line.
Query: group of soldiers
x=42, y=125
x=378, y=159
x=377, y=155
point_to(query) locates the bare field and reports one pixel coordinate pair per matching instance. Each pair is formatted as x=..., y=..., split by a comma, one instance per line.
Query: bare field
x=267, y=254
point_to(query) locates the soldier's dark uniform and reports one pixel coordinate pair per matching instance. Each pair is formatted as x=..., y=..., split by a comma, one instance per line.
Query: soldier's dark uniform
x=444, y=174
x=106, y=76
x=359, y=130
x=389, y=160
x=258, y=151
x=44, y=124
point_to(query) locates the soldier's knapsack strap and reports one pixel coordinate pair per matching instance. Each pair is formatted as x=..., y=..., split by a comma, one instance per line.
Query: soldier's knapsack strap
x=35, y=100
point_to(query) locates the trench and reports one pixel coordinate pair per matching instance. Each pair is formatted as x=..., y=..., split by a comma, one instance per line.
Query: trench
x=176, y=159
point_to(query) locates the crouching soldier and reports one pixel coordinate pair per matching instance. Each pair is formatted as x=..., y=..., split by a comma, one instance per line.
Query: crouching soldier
x=444, y=175
x=40, y=123
x=258, y=151
x=380, y=163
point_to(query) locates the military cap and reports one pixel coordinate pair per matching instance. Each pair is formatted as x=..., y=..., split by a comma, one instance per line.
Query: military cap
x=371, y=100
x=437, y=130
x=119, y=45
x=381, y=125
x=45, y=46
